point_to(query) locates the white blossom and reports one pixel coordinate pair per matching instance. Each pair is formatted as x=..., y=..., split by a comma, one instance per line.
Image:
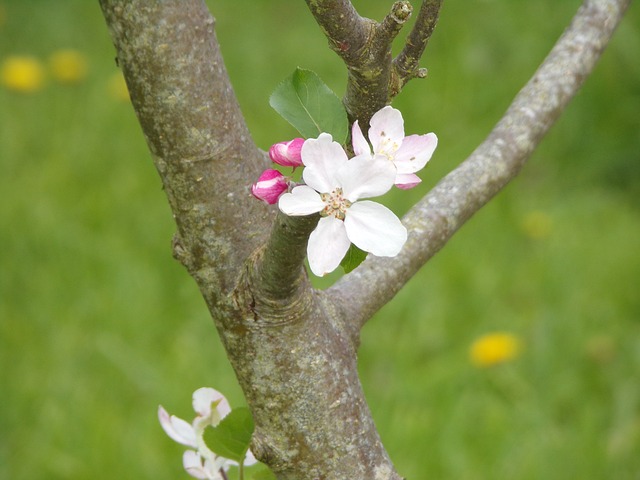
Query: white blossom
x=334, y=187
x=210, y=407
x=386, y=134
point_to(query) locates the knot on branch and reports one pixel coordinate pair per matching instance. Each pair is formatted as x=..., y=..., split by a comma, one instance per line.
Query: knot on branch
x=254, y=295
x=401, y=12
x=180, y=253
x=274, y=288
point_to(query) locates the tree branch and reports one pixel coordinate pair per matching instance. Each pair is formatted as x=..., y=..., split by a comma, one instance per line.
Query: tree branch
x=280, y=265
x=365, y=48
x=345, y=29
x=292, y=354
x=195, y=131
x=433, y=220
x=405, y=65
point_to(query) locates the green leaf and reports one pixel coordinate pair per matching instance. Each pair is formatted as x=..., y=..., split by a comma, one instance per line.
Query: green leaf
x=231, y=437
x=308, y=104
x=353, y=258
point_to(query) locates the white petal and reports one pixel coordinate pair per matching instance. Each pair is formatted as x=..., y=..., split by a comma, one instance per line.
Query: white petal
x=192, y=463
x=301, y=201
x=204, y=397
x=364, y=177
x=327, y=246
x=415, y=152
x=386, y=124
x=375, y=229
x=219, y=463
x=322, y=158
x=176, y=428
x=360, y=144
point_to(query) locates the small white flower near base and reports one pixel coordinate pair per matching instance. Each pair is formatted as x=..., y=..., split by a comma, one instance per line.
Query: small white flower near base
x=334, y=188
x=211, y=407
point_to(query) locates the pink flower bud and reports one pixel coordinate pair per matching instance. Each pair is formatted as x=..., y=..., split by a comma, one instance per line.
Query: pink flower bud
x=269, y=186
x=287, y=154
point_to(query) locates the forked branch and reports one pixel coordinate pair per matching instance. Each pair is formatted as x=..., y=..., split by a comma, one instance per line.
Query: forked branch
x=433, y=220
x=365, y=47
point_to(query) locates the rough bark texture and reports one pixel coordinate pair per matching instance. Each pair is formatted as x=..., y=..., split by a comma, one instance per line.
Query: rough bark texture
x=294, y=359
x=293, y=348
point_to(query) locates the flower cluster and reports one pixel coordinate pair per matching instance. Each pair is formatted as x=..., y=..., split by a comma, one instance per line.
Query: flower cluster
x=272, y=183
x=336, y=186
x=210, y=407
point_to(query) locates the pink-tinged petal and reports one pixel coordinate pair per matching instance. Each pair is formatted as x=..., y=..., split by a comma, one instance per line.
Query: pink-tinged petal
x=301, y=201
x=287, y=154
x=375, y=229
x=360, y=144
x=364, y=177
x=322, y=157
x=269, y=186
x=327, y=246
x=177, y=429
x=205, y=397
x=387, y=127
x=406, y=181
x=194, y=466
x=415, y=152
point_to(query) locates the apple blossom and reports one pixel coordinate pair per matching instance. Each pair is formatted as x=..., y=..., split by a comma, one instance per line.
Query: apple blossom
x=287, y=154
x=269, y=186
x=409, y=154
x=334, y=186
x=211, y=407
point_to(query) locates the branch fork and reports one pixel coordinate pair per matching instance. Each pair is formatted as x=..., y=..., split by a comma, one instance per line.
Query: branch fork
x=374, y=77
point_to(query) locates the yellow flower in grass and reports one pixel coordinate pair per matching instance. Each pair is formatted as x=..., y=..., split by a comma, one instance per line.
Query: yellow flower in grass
x=494, y=348
x=68, y=66
x=22, y=73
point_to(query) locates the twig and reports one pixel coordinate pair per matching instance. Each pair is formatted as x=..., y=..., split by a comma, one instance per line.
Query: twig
x=405, y=65
x=393, y=22
x=365, y=47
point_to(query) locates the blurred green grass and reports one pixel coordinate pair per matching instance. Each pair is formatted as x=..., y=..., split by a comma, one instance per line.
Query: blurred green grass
x=98, y=324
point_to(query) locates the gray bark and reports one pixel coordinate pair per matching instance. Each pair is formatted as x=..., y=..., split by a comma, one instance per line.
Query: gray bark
x=294, y=349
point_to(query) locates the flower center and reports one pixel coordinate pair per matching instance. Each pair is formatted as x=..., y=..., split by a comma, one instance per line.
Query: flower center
x=335, y=204
x=387, y=146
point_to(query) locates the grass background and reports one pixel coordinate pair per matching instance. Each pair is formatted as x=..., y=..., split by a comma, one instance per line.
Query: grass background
x=98, y=324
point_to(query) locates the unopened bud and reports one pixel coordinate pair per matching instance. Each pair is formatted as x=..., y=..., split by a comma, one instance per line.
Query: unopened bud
x=287, y=154
x=269, y=186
